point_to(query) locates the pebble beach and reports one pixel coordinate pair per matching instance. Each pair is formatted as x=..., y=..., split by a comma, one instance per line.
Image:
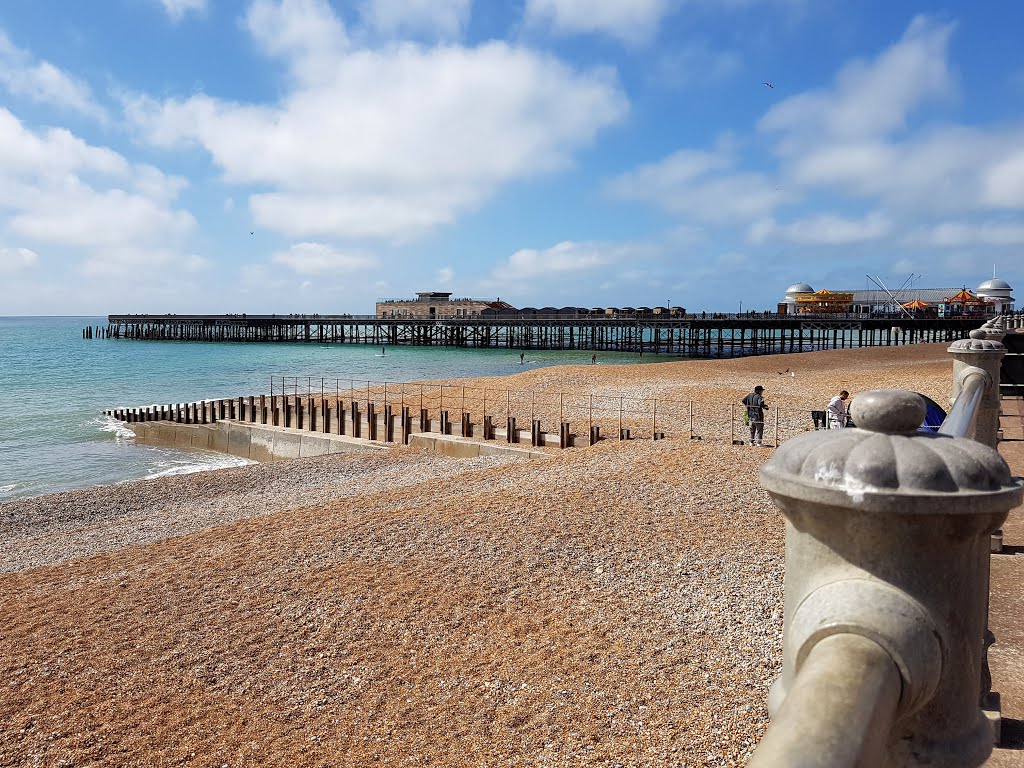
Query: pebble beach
x=617, y=605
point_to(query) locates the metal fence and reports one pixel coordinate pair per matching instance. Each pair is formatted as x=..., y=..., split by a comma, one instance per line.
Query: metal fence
x=615, y=415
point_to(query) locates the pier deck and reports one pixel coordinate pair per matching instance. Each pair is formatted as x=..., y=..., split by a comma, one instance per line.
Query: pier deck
x=691, y=336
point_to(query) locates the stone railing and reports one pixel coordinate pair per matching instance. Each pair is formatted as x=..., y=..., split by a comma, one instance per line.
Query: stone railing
x=887, y=561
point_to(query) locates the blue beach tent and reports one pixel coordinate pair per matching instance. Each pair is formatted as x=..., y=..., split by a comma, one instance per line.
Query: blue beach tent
x=933, y=417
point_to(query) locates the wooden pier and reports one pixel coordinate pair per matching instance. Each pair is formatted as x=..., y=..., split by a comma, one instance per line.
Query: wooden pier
x=690, y=336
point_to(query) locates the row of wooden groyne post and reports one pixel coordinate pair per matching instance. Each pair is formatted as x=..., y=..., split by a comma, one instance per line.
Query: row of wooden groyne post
x=354, y=418
x=687, y=335
x=889, y=534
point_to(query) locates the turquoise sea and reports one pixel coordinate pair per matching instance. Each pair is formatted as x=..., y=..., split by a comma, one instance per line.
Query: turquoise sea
x=54, y=386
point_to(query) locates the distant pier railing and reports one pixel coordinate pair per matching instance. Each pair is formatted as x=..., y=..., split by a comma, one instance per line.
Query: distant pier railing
x=691, y=335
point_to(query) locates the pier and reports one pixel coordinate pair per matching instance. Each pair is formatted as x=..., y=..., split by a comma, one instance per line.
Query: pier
x=692, y=335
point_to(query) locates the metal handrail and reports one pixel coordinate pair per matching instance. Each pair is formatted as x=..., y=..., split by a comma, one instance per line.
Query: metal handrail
x=962, y=416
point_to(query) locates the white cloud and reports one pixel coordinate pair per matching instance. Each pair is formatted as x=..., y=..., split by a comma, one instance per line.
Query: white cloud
x=700, y=184
x=823, y=229
x=632, y=21
x=305, y=33
x=872, y=98
x=17, y=260
x=1004, y=182
x=952, y=234
x=42, y=82
x=123, y=261
x=177, y=9
x=356, y=216
x=387, y=143
x=443, y=18
x=317, y=259
x=568, y=259
x=57, y=189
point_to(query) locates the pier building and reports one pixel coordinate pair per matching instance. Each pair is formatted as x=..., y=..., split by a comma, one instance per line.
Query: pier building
x=992, y=297
x=437, y=305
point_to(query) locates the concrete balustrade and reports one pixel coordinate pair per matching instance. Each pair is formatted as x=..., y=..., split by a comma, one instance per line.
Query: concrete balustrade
x=886, y=586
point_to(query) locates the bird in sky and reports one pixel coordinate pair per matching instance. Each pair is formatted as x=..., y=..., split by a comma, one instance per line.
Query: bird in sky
x=769, y=85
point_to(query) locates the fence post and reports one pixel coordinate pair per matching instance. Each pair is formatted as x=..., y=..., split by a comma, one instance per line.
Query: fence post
x=904, y=576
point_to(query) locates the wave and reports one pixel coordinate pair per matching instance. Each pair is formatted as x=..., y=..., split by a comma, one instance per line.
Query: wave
x=194, y=463
x=110, y=424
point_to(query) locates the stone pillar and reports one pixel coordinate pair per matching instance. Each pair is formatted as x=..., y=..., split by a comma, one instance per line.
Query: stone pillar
x=887, y=539
x=984, y=350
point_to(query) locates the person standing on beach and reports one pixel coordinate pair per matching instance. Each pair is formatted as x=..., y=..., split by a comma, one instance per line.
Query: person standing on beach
x=835, y=413
x=593, y=359
x=522, y=356
x=755, y=414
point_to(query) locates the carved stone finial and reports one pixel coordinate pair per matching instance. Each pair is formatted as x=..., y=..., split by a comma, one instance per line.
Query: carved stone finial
x=887, y=465
x=890, y=411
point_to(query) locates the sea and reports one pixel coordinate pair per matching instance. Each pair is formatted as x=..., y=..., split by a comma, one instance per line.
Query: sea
x=55, y=385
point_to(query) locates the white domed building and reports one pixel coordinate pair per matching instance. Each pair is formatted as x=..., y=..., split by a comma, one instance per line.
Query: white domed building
x=792, y=292
x=998, y=293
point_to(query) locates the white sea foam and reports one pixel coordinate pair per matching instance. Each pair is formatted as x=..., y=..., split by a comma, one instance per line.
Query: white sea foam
x=200, y=462
x=8, y=488
x=119, y=428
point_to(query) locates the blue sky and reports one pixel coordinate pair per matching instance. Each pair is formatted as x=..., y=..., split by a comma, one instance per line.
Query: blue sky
x=312, y=156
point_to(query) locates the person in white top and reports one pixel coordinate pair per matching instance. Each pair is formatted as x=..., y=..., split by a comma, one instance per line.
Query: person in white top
x=836, y=411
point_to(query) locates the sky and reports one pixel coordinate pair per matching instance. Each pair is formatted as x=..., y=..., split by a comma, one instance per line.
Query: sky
x=211, y=156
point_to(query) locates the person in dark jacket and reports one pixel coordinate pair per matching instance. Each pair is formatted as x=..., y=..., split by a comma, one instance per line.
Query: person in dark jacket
x=755, y=414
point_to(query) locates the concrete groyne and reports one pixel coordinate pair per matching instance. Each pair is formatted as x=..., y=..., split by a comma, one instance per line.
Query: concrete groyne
x=279, y=427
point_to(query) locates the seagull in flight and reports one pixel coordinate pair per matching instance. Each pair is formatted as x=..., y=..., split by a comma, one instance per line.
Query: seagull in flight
x=769, y=85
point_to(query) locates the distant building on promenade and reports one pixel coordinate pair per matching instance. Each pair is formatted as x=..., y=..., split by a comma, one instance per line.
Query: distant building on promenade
x=435, y=305
x=992, y=297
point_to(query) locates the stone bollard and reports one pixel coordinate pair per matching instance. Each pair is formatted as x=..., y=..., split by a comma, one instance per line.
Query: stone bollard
x=983, y=351
x=887, y=545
